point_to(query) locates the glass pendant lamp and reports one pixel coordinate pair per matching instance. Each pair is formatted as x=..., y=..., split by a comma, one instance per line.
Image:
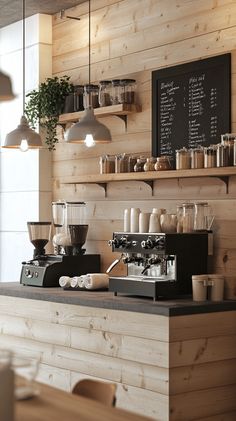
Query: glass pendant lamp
x=88, y=130
x=23, y=137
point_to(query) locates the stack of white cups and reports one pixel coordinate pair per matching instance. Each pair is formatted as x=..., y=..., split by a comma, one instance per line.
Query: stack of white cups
x=143, y=222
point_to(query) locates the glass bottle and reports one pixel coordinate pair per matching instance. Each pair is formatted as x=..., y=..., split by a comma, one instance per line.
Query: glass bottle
x=104, y=95
x=228, y=141
x=188, y=217
x=91, y=96
x=121, y=163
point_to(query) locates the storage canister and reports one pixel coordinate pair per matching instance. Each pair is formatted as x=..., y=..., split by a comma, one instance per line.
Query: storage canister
x=188, y=217
x=149, y=164
x=163, y=163
x=128, y=91
x=201, y=216
x=104, y=94
x=210, y=156
x=79, y=98
x=222, y=155
x=116, y=91
x=121, y=163
x=197, y=158
x=183, y=159
x=91, y=96
x=228, y=141
x=139, y=164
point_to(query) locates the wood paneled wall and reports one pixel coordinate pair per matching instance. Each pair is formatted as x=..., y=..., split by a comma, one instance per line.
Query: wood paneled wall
x=132, y=38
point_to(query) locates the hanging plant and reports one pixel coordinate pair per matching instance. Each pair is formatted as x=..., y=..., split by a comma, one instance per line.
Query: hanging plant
x=46, y=104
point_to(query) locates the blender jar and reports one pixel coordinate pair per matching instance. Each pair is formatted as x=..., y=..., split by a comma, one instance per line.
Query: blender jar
x=76, y=226
x=58, y=217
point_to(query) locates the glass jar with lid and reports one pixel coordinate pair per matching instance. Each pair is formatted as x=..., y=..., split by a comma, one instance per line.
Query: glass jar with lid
x=107, y=164
x=222, y=155
x=200, y=216
x=128, y=91
x=163, y=163
x=139, y=164
x=121, y=163
x=197, y=157
x=210, y=156
x=228, y=141
x=104, y=95
x=149, y=164
x=116, y=91
x=91, y=96
x=78, y=98
x=183, y=159
x=131, y=163
x=188, y=217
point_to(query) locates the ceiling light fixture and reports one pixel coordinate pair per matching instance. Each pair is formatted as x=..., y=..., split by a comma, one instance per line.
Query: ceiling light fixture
x=6, y=93
x=88, y=130
x=23, y=137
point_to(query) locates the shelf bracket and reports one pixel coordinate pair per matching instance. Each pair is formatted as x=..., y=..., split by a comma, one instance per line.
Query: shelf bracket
x=104, y=186
x=122, y=117
x=225, y=179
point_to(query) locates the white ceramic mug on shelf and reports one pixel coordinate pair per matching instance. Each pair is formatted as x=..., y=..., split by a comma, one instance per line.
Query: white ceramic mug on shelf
x=134, y=219
x=144, y=221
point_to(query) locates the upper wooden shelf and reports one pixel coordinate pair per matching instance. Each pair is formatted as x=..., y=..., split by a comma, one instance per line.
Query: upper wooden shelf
x=117, y=110
x=222, y=172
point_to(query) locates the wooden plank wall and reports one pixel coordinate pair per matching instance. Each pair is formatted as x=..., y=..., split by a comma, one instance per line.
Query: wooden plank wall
x=178, y=369
x=132, y=38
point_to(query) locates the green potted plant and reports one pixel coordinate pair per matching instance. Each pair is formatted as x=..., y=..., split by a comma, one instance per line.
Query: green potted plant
x=46, y=104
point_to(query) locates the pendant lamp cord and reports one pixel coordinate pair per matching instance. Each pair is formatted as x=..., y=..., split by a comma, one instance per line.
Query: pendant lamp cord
x=23, y=52
x=89, y=41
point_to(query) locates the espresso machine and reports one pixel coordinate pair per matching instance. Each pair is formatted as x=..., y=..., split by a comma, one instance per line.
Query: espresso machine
x=69, y=258
x=159, y=264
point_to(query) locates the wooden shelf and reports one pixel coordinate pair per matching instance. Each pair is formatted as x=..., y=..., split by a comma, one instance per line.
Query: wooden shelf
x=118, y=110
x=222, y=172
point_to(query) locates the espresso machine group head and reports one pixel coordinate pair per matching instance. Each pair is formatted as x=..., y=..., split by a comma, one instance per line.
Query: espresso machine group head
x=159, y=264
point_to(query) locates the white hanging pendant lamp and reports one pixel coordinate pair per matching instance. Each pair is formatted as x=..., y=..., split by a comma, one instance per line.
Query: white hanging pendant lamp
x=6, y=93
x=23, y=137
x=88, y=130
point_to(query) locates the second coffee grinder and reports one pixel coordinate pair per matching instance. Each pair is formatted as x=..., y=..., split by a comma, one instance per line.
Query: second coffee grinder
x=69, y=258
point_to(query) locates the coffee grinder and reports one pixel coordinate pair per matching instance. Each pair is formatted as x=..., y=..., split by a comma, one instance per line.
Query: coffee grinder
x=69, y=258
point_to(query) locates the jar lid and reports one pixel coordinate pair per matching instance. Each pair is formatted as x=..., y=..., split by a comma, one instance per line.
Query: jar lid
x=91, y=86
x=200, y=277
x=183, y=150
x=105, y=82
x=215, y=275
x=127, y=81
x=201, y=203
x=188, y=205
x=115, y=82
x=163, y=158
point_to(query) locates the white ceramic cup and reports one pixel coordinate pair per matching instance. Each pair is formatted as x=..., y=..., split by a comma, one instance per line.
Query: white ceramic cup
x=216, y=283
x=134, y=219
x=199, y=287
x=168, y=222
x=127, y=220
x=154, y=223
x=144, y=221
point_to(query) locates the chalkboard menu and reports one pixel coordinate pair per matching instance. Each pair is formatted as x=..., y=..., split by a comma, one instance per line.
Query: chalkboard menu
x=191, y=104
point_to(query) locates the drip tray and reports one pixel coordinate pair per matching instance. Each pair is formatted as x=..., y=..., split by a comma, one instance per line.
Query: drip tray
x=143, y=286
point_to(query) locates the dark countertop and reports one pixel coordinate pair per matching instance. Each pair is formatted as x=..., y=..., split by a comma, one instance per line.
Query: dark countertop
x=106, y=299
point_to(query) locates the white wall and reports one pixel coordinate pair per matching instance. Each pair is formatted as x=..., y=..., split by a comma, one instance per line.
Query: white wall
x=25, y=177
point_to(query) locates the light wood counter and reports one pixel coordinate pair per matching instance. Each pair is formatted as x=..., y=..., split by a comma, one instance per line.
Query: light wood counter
x=169, y=366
